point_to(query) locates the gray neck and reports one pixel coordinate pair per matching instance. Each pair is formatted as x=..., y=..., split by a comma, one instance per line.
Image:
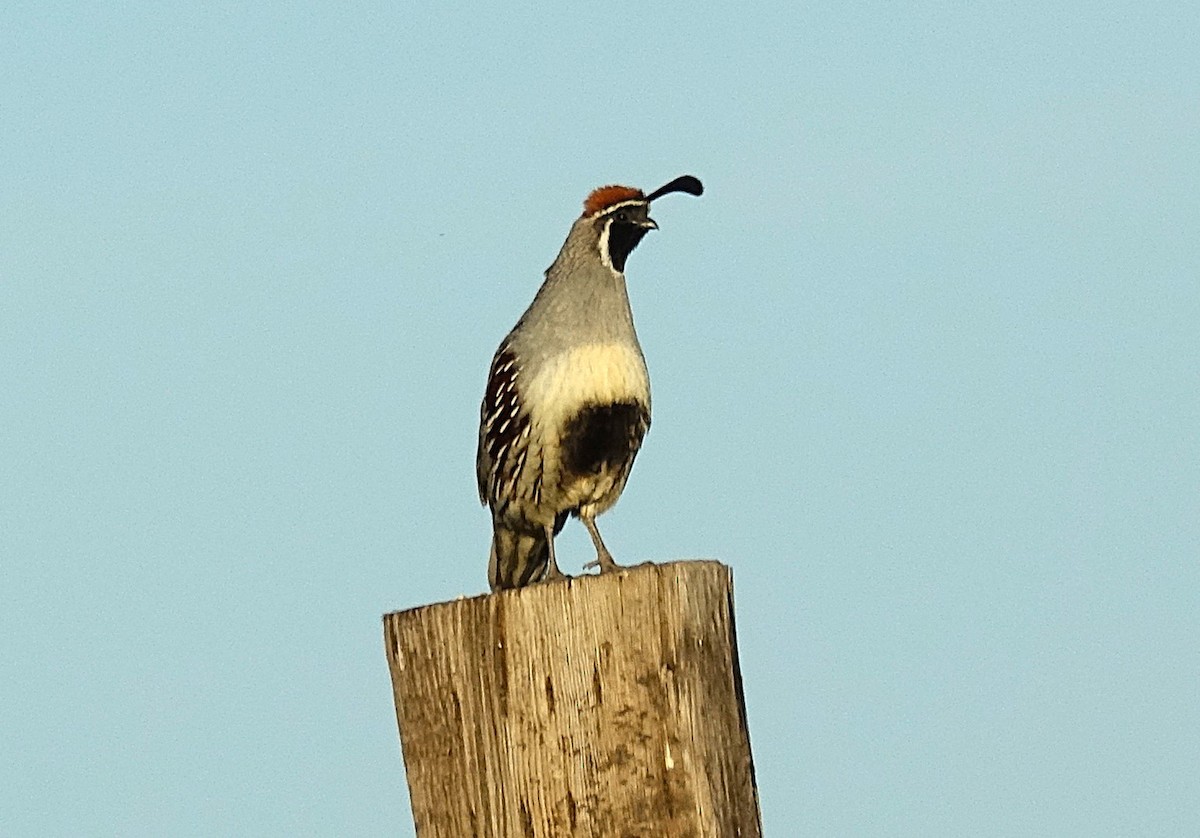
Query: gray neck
x=582, y=300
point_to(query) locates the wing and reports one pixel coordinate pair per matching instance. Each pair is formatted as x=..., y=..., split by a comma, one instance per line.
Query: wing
x=503, y=431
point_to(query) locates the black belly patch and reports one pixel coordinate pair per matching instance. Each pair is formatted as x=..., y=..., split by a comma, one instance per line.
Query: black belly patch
x=605, y=435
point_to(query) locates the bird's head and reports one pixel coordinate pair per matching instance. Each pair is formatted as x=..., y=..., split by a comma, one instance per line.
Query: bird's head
x=620, y=216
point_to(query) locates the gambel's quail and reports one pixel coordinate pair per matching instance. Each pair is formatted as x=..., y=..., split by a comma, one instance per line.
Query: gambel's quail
x=568, y=395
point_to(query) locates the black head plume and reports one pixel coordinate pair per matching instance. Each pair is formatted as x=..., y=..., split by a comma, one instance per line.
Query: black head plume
x=683, y=183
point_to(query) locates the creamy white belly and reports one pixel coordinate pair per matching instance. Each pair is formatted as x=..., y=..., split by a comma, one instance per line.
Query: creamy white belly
x=586, y=375
x=595, y=373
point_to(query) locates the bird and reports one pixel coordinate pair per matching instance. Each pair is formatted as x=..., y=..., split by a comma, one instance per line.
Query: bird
x=567, y=401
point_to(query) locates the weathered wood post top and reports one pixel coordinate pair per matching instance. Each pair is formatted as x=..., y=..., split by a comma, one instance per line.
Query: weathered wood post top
x=605, y=705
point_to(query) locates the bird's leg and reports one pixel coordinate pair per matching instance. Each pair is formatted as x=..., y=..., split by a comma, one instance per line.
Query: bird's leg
x=604, y=559
x=552, y=573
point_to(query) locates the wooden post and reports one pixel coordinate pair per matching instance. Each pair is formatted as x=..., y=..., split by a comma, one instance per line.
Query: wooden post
x=605, y=706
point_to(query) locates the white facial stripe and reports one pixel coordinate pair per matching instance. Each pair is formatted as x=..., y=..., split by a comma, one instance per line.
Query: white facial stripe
x=606, y=216
x=603, y=245
x=612, y=208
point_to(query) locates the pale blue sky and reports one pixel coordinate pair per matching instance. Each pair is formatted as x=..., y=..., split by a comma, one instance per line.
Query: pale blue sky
x=924, y=358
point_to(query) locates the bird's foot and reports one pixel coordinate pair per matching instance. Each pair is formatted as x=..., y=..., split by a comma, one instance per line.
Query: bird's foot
x=605, y=562
x=553, y=574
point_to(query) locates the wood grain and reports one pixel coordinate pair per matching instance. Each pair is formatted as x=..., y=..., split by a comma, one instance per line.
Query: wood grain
x=600, y=706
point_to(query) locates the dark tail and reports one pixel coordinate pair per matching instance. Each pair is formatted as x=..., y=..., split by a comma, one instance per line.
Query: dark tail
x=518, y=558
